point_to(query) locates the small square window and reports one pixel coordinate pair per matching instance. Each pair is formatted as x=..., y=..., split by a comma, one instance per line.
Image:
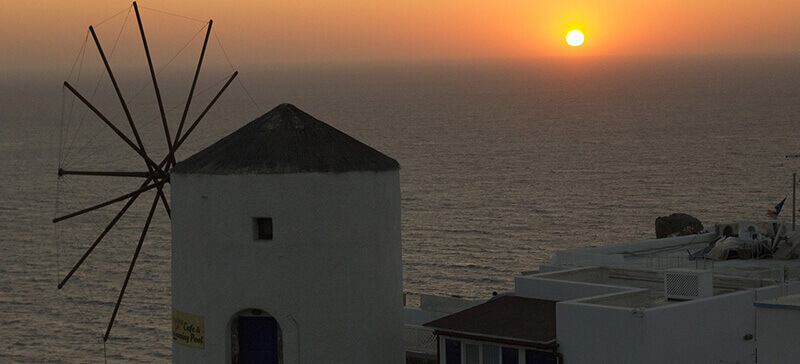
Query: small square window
x=263, y=228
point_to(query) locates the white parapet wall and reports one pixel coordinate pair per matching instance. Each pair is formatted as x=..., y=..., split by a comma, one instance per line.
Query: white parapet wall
x=553, y=286
x=614, y=254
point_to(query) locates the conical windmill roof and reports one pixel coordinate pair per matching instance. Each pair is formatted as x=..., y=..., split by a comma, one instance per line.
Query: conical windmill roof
x=286, y=140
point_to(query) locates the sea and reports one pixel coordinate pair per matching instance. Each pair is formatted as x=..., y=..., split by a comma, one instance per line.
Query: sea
x=503, y=163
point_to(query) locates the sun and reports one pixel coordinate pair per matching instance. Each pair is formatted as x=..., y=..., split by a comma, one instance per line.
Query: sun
x=574, y=38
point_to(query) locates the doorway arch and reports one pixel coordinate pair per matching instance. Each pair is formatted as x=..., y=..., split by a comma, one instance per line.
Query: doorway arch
x=255, y=338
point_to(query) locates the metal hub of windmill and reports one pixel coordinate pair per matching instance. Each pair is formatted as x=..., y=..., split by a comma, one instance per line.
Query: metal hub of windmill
x=154, y=173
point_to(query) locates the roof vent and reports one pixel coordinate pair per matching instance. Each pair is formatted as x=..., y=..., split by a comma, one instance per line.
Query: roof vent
x=688, y=284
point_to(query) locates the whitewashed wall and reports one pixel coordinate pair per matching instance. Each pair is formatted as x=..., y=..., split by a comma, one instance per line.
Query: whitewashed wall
x=709, y=330
x=331, y=276
x=778, y=331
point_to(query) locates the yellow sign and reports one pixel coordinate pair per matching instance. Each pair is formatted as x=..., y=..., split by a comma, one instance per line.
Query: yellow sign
x=187, y=329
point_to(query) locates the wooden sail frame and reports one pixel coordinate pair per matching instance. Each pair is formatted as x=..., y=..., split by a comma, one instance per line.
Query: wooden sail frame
x=156, y=174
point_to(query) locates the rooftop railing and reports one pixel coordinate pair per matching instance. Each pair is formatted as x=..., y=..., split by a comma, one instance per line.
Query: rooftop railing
x=419, y=339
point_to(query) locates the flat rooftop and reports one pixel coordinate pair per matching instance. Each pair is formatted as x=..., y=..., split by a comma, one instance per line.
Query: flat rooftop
x=791, y=302
x=667, y=253
x=645, y=285
x=632, y=274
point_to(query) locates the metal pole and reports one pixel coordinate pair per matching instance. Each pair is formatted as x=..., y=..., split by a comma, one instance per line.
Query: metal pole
x=794, y=198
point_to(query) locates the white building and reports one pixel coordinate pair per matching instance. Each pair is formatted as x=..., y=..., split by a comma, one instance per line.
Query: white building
x=778, y=330
x=286, y=248
x=643, y=302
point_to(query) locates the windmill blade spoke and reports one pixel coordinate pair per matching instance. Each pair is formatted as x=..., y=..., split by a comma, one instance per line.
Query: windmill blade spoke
x=109, y=202
x=64, y=172
x=130, y=268
x=150, y=163
x=197, y=121
x=164, y=201
x=97, y=241
x=152, y=178
x=194, y=83
x=121, y=99
x=153, y=75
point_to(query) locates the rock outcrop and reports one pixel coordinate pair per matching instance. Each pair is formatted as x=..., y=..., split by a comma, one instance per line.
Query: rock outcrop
x=677, y=224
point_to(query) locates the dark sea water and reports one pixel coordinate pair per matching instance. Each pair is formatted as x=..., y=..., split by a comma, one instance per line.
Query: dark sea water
x=503, y=163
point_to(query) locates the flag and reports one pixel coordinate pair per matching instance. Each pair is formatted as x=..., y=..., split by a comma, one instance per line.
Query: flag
x=773, y=214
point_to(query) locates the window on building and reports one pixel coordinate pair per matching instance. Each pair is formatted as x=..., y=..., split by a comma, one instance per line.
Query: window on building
x=491, y=354
x=452, y=351
x=472, y=353
x=458, y=351
x=539, y=357
x=510, y=355
x=262, y=228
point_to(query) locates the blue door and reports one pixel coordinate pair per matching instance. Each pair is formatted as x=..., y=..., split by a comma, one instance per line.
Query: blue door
x=258, y=340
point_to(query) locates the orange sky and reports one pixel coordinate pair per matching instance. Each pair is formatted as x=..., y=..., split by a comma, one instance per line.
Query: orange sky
x=47, y=33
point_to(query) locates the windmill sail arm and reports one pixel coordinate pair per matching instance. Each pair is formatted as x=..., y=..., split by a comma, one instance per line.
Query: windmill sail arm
x=64, y=172
x=116, y=130
x=191, y=128
x=98, y=240
x=153, y=76
x=150, y=177
x=150, y=163
x=130, y=268
x=194, y=83
x=109, y=202
x=164, y=201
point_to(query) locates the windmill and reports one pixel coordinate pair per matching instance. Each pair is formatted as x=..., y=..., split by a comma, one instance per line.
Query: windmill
x=152, y=177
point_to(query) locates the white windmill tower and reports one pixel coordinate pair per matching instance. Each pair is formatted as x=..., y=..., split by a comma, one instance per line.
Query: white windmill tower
x=286, y=247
